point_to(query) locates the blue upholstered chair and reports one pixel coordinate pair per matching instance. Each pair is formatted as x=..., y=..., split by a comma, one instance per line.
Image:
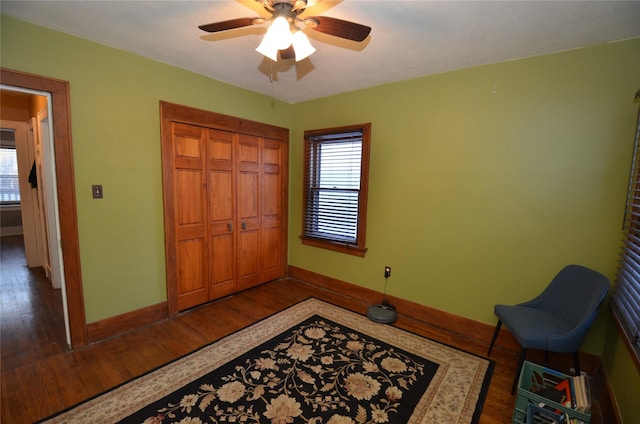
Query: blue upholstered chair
x=557, y=320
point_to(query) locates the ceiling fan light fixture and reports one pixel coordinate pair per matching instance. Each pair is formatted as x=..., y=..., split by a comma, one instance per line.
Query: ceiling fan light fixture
x=281, y=32
x=278, y=37
x=268, y=49
x=301, y=45
x=283, y=38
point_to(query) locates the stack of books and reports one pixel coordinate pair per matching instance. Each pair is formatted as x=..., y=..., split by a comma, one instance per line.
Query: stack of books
x=571, y=392
x=547, y=396
x=582, y=394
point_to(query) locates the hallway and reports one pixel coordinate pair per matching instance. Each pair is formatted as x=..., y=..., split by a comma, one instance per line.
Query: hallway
x=31, y=315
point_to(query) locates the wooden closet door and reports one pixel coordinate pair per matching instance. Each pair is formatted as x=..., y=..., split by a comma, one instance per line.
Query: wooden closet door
x=225, y=204
x=222, y=210
x=248, y=214
x=189, y=183
x=272, y=204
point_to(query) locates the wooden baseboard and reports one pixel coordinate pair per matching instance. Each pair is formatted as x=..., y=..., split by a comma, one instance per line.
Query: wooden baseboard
x=126, y=322
x=11, y=231
x=443, y=321
x=606, y=400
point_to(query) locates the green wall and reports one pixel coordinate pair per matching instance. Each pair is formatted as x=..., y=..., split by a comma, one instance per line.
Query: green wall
x=484, y=182
x=115, y=118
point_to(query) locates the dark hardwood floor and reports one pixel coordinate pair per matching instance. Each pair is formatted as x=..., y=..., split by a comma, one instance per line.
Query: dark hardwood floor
x=41, y=375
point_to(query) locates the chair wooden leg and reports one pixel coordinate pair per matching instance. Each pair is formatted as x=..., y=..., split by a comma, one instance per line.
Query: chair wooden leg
x=523, y=355
x=495, y=336
x=576, y=362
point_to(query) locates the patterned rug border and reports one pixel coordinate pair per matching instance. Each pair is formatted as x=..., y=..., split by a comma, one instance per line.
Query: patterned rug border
x=163, y=379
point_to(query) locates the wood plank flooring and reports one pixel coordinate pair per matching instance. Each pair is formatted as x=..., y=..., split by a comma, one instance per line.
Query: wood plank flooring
x=41, y=376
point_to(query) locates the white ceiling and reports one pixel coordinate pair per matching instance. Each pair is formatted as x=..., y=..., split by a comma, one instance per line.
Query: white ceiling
x=409, y=39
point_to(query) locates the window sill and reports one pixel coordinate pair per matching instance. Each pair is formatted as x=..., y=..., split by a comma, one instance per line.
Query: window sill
x=10, y=207
x=338, y=247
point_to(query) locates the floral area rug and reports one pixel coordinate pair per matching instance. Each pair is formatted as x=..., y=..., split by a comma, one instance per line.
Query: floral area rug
x=313, y=363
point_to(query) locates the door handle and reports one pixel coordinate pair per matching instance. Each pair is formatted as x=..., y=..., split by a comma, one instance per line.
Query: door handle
x=230, y=227
x=244, y=225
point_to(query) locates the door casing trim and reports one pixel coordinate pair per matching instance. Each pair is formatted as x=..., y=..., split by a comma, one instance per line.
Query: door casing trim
x=65, y=184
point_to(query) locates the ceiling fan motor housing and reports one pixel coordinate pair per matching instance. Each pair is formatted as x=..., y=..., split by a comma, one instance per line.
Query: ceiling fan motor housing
x=292, y=7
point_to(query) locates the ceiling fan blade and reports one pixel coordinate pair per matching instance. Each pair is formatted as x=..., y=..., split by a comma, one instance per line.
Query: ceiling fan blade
x=288, y=53
x=230, y=24
x=338, y=27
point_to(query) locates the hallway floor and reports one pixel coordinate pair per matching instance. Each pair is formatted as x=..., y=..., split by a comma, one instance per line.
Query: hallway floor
x=31, y=315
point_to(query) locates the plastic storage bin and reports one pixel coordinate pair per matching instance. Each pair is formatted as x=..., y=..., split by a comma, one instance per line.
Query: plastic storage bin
x=532, y=408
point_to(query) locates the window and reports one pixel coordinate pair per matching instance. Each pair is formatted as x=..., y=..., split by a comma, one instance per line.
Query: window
x=336, y=173
x=626, y=298
x=9, y=184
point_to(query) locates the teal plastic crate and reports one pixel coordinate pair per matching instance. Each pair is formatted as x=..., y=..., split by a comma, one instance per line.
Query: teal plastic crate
x=533, y=379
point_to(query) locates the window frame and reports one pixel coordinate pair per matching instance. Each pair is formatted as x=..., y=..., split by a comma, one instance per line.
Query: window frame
x=625, y=304
x=359, y=247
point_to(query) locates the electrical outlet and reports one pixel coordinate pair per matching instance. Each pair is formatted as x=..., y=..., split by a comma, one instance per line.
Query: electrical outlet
x=387, y=271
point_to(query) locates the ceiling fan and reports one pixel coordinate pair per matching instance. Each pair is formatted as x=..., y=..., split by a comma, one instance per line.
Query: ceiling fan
x=284, y=36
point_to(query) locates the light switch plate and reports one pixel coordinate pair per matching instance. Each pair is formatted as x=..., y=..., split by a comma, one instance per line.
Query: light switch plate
x=97, y=191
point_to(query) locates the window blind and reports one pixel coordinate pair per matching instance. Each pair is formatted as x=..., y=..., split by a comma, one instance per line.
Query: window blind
x=9, y=184
x=626, y=298
x=332, y=186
